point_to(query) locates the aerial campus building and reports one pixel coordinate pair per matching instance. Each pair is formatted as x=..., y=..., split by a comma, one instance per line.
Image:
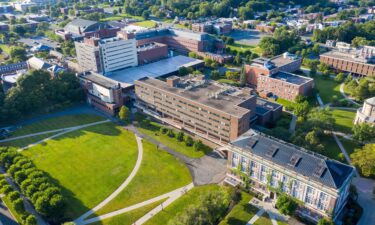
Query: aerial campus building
x=356, y=61
x=274, y=78
x=273, y=166
x=366, y=114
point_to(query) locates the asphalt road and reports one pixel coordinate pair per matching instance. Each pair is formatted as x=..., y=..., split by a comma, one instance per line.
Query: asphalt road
x=5, y=217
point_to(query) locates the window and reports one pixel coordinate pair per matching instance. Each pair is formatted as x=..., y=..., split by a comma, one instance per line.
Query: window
x=323, y=201
x=235, y=160
x=253, y=169
x=309, y=198
x=262, y=177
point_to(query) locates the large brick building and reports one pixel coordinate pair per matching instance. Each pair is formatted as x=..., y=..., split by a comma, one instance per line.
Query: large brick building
x=355, y=61
x=320, y=184
x=215, y=112
x=273, y=77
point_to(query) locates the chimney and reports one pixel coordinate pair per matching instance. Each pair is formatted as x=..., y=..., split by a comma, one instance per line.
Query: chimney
x=173, y=81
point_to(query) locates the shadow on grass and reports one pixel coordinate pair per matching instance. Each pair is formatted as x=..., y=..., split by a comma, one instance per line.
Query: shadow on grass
x=236, y=221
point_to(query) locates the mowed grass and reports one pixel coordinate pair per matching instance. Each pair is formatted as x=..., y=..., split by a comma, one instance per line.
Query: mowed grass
x=240, y=47
x=23, y=142
x=57, y=123
x=344, y=120
x=6, y=48
x=286, y=103
x=160, y=173
x=263, y=220
x=331, y=149
x=241, y=213
x=130, y=217
x=87, y=164
x=153, y=130
x=190, y=198
x=327, y=88
x=146, y=24
x=349, y=145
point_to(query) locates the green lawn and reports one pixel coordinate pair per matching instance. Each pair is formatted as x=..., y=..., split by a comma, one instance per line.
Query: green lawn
x=241, y=213
x=263, y=220
x=57, y=123
x=111, y=18
x=285, y=103
x=23, y=142
x=9, y=205
x=344, y=119
x=327, y=88
x=331, y=149
x=190, y=198
x=146, y=24
x=154, y=132
x=240, y=47
x=349, y=145
x=87, y=164
x=159, y=173
x=5, y=48
x=130, y=217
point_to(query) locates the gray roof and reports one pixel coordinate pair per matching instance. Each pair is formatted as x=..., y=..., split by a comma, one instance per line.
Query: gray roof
x=334, y=173
x=370, y=101
x=79, y=25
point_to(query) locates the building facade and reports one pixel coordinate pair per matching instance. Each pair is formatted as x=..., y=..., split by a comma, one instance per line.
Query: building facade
x=355, y=61
x=273, y=77
x=366, y=114
x=106, y=55
x=102, y=93
x=215, y=112
x=273, y=166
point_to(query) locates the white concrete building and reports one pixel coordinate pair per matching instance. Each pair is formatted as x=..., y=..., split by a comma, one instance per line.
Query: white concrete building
x=117, y=53
x=366, y=114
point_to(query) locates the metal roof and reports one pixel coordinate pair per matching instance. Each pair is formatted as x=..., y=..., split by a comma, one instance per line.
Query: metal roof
x=296, y=159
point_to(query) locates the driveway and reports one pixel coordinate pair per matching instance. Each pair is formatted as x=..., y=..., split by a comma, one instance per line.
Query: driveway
x=365, y=199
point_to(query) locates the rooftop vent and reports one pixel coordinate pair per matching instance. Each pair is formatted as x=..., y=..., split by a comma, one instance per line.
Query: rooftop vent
x=319, y=170
x=294, y=160
x=272, y=150
x=252, y=143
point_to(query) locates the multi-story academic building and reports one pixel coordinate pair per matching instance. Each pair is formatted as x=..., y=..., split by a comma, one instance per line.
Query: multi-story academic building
x=321, y=184
x=366, y=114
x=355, y=61
x=273, y=77
x=106, y=55
x=215, y=112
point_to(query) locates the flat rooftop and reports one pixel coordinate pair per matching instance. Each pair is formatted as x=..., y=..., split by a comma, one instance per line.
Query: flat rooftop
x=99, y=79
x=35, y=41
x=221, y=97
x=291, y=78
x=157, y=69
x=346, y=56
x=277, y=61
x=264, y=106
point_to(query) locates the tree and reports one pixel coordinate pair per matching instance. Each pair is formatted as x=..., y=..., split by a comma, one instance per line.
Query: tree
x=18, y=205
x=180, y=136
x=146, y=14
x=198, y=145
x=286, y=204
x=18, y=54
x=215, y=75
x=232, y=75
x=364, y=159
x=30, y=220
x=301, y=109
x=363, y=132
x=124, y=113
x=243, y=78
x=237, y=59
x=340, y=77
x=189, y=141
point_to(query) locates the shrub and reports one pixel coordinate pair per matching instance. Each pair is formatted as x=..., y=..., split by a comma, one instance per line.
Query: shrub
x=198, y=145
x=170, y=133
x=163, y=130
x=180, y=136
x=189, y=141
x=286, y=205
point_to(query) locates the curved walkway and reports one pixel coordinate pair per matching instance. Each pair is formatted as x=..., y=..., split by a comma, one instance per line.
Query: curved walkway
x=80, y=220
x=347, y=97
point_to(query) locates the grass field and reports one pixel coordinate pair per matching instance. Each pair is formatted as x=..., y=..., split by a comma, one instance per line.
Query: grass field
x=344, y=120
x=9, y=205
x=327, y=88
x=130, y=217
x=349, y=145
x=146, y=24
x=57, y=123
x=192, y=197
x=159, y=173
x=241, y=213
x=263, y=220
x=23, y=142
x=285, y=103
x=331, y=149
x=87, y=164
x=240, y=47
x=154, y=131
x=5, y=48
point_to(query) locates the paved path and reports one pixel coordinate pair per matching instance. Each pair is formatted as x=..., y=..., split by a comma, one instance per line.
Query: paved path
x=122, y=186
x=256, y=217
x=64, y=132
x=293, y=122
x=320, y=101
x=347, y=97
x=6, y=217
x=365, y=199
x=172, y=196
x=344, y=152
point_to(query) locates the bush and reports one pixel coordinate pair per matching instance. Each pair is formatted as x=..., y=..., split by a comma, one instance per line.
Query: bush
x=163, y=130
x=189, y=141
x=286, y=205
x=198, y=145
x=170, y=133
x=180, y=136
